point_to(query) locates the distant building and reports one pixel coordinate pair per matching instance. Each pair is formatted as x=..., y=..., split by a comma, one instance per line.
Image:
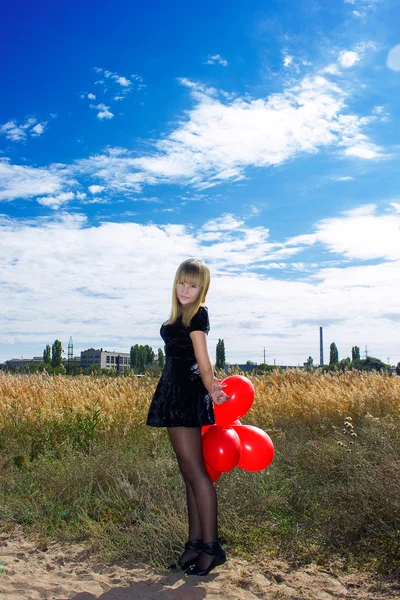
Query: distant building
x=37, y=360
x=245, y=368
x=16, y=363
x=119, y=361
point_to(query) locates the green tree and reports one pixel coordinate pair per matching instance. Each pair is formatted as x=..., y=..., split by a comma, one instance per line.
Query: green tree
x=345, y=363
x=355, y=353
x=370, y=364
x=141, y=359
x=220, y=355
x=47, y=355
x=333, y=354
x=150, y=356
x=263, y=368
x=161, y=358
x=309, y=364
x=56, y=353
x=133, y=354
x=73, y=368
x=141, y=356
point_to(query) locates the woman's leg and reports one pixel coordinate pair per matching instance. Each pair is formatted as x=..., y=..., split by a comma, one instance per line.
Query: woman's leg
x=195, y=530
x=201, y=496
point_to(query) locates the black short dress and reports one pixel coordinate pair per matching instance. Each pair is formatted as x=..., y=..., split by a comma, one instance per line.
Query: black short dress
x=180, y=399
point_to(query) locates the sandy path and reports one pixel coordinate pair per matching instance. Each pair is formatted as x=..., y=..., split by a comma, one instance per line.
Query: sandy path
x=63, y=572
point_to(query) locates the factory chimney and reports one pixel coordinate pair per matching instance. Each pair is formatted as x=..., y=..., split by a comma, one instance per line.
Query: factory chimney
x=321, y=347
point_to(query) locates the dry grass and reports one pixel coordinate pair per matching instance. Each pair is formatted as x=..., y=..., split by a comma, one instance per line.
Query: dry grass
x=39, y=397
x=279, y=396
x=78, y=462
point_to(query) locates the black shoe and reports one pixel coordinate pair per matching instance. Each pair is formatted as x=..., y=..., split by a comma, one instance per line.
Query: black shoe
x=193, y=545
x=219, y=557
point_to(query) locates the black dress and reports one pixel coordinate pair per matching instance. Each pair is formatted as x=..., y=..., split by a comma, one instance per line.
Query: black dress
x=180, y=399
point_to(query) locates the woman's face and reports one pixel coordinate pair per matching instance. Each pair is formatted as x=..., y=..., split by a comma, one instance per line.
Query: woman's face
x=187, y=293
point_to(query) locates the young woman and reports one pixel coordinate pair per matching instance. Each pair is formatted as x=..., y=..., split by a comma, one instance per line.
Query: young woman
x=183, y=402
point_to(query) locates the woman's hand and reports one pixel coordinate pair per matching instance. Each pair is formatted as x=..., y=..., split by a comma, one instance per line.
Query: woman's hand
x=218, y=395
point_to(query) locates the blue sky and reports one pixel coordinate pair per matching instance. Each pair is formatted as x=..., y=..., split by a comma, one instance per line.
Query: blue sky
x=263, y=138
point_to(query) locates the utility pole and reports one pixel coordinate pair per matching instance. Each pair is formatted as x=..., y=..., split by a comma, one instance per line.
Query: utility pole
x=366, y=351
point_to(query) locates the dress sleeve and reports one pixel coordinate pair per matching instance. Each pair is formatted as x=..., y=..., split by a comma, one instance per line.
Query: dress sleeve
x=200, y=321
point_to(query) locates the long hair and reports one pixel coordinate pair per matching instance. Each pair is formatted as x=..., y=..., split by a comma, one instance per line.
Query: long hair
x=194, y=272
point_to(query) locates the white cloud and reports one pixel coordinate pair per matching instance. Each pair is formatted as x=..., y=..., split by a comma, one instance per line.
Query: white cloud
x=220, y=138
x=95, y=189
x=129, y=280
x=225, y=222
x=348, y=59
x=254, y=210
x=365, y=209
x=216, y=59
x=123, y=81
x=365, y=4
x=13, y=132
x=343, y=178
x=379, y=110
x=139, y=81
x=332, y=69
x=287, y=60
x=38, y=129
x=55, y=202
x=18, y=181
x=365, y=150
x=120, y=79
x=104, y=112
x=393, y=59
x=115, y=89
x=384, y=231
x=20, y=132
x=216, y=141
x=360, y=234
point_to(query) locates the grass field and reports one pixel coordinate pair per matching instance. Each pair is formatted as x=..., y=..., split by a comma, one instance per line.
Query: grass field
x=77, y=462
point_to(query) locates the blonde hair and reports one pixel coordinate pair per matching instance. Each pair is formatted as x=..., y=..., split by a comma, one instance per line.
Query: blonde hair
x=194, y=272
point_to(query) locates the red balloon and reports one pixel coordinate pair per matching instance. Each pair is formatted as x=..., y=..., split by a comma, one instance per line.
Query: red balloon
x=205, y=427
x=241, y=392
x=257, y=448
x=212, y=473
x=221, y=448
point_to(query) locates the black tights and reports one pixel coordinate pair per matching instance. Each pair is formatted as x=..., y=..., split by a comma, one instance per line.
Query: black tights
x=200, y=492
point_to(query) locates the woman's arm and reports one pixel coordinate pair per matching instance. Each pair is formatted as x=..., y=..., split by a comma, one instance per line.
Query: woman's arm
x=199, y=340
